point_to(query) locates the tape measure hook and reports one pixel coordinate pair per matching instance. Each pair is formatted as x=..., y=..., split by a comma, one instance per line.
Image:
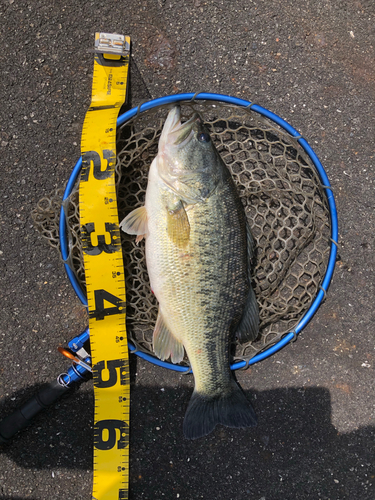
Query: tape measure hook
x=111, y=43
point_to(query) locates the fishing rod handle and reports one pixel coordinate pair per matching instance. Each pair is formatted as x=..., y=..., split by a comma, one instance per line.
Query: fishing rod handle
x=22, y=417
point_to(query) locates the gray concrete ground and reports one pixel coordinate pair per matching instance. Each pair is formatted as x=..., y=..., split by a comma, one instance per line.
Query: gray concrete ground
x=311, y=62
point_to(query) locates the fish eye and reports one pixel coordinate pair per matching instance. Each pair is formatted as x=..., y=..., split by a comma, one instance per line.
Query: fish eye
x=203, y=137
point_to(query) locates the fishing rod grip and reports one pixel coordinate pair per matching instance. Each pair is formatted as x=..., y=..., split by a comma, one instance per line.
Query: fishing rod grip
x=22, y=417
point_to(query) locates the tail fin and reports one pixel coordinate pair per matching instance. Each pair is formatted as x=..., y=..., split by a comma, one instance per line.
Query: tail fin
x=231, y=409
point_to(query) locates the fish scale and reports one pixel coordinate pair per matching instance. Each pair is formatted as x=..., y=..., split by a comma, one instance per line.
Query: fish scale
x=220, y=306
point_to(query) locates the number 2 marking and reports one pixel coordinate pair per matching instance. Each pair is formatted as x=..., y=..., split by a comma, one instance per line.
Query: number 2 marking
x=92, y=157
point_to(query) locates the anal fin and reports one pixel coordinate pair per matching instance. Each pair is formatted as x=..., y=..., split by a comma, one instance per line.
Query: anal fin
x=165, y=343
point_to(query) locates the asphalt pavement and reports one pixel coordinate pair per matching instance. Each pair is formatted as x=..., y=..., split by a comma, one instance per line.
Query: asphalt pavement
x=310, y=62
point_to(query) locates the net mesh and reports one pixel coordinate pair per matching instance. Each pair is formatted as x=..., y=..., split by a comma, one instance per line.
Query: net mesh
x=283, y=200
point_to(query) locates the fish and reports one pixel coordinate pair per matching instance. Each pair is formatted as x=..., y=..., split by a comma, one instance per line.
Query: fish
x=198, y=248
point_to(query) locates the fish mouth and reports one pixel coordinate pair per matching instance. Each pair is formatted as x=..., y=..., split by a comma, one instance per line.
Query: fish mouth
x=174, y=132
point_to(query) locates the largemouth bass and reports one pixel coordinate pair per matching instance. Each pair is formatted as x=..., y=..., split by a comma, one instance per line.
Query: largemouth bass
x=198, y=251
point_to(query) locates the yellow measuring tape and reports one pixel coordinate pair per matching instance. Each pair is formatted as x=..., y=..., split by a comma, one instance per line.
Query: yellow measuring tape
x=104, y=270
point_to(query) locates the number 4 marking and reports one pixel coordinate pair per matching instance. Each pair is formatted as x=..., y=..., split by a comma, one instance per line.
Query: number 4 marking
x=100, y=311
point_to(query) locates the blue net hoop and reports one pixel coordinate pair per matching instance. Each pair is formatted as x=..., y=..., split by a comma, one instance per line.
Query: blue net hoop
x=185, y=97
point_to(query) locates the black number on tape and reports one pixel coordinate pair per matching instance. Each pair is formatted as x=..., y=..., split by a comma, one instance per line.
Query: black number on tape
x=112, y=366
x=94, y=158
x=115, y=431
x=101, y=311
x=123, y=495
x=87, y=232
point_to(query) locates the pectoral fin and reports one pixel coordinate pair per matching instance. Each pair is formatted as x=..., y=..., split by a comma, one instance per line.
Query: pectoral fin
x=135, y=223
x=178, y=227
x=165, y=343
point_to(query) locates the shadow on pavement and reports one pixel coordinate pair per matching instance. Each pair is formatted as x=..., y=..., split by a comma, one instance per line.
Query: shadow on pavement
x=295, y=452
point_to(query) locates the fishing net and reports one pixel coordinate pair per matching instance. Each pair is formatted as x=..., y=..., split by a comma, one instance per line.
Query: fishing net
x=283, y=199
